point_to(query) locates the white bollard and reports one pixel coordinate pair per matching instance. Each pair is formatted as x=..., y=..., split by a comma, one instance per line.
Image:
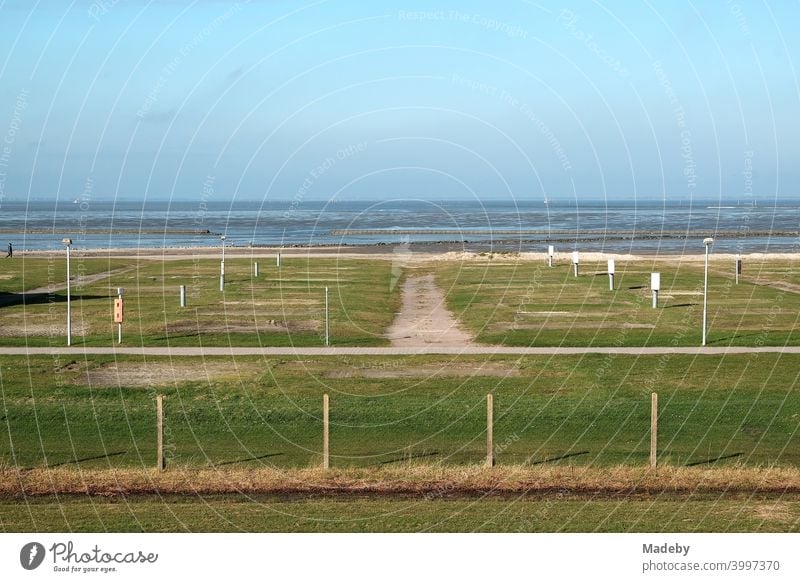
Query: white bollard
x=575, y=260
x=183, y=295
x=550, y=252
x=611, y=268
x=255, y=269
x=655, y=285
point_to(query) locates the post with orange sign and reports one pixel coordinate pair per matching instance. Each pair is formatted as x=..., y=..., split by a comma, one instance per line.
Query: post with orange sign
x=119, y=311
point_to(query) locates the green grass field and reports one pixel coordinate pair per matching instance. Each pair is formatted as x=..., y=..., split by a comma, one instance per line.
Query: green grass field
x=281, y=307
x=259, y=514
x=85, y=413
x=589, y=410
x=522, y=303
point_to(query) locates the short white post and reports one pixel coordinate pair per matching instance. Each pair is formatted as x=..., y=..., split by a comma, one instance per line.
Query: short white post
x=550, y=252
x=327, y=328
x=655, y=285
x=575, y=260
x=278, y=259
x=326, y=459
x=255, y=269
x=490, y=430
x=653, y=430
x=183, y=295
x=611, y=268
x=222, y=276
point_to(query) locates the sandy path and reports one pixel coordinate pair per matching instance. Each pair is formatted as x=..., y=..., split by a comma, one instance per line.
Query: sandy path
x=423, y=319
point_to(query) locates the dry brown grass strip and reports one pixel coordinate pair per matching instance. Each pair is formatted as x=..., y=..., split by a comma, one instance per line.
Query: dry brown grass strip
x=429, y=481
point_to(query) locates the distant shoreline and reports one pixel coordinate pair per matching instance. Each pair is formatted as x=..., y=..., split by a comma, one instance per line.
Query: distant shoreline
x=408, y=252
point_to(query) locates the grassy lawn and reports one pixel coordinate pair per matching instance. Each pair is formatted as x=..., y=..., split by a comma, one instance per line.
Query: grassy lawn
x=523, y=303
x=24, y=274
x=269, y=514
x=251, y=412
x=281, y=307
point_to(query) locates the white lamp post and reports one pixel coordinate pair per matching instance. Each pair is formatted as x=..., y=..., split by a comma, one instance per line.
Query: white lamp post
x=222, y=265
x=707, y=242
x=68, y=243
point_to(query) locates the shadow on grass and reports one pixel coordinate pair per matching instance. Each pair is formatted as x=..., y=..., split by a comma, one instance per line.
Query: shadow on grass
x=714, y=460
x=559, y=458
x=734, y=337
x=681, y=305
x=12, y=299
x=248, y=459
x=77, y=461
x=408, y=458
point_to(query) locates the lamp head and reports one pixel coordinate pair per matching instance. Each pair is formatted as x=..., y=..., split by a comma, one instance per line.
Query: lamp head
x=222, y=237
x=708, y=241
x=66, y=241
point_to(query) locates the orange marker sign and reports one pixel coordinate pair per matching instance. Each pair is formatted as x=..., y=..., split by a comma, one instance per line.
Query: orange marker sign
x=119, y=310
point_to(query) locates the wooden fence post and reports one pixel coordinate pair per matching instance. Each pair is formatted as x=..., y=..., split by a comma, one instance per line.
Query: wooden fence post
x=490, y=430
x=160, y=432
x=326, y=460
x=653, y=430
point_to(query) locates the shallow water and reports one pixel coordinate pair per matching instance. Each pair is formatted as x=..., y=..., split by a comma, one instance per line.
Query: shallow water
x=589, y=226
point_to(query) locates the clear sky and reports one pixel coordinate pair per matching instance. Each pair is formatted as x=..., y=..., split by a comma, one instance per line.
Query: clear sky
x=512, y=99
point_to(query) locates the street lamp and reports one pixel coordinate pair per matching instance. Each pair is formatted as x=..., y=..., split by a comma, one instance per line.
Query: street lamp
x=68, y=243
x=707, y=242
x=222, y=265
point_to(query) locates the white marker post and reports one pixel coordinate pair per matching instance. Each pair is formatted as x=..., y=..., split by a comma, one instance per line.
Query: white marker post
x=183, y=295
x=119, y=312
x=278, y=260
x=655, y=285
x=68, y=243
x=707, y=242
x=255, y=270
x=575, y=260
x=738, y=267
x=550, y=252
x=611, y=274
x=327, y=335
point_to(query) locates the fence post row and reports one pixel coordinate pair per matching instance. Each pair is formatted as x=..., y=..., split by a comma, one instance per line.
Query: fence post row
x=326, y=460
x=160, y=432
x=490, y=430
x=653, y=430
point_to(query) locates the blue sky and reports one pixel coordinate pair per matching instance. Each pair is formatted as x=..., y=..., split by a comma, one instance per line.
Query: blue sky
x=511, y=100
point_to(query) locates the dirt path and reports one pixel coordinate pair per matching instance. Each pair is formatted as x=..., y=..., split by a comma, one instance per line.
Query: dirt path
x=431, y=349
x=424, y=321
